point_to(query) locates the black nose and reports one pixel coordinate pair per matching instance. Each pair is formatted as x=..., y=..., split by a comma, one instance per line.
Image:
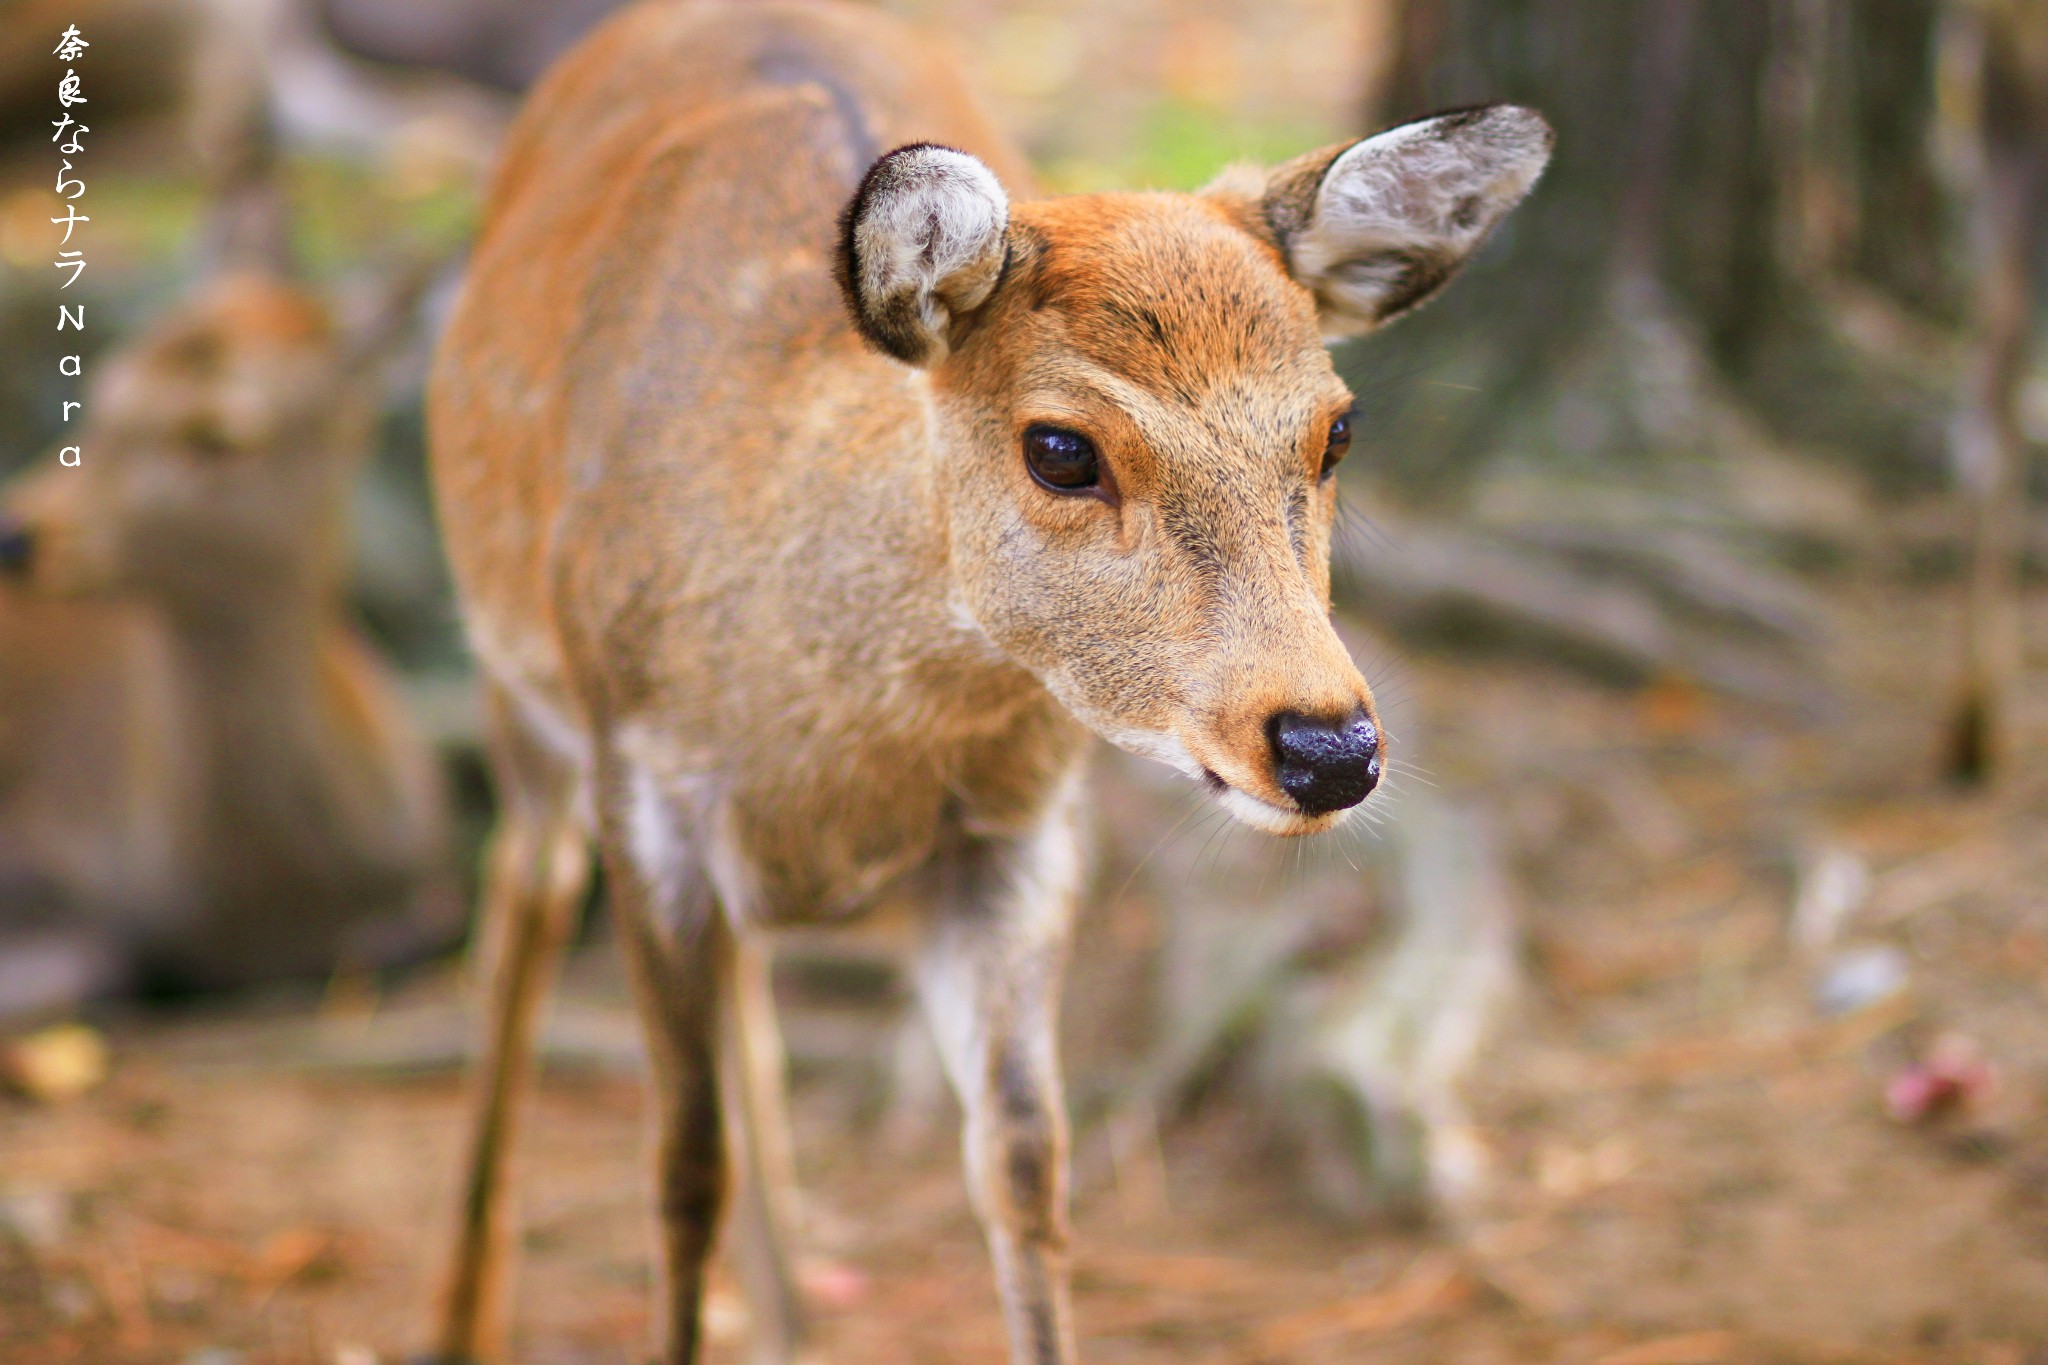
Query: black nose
x=1325, y=765
x=16, y=546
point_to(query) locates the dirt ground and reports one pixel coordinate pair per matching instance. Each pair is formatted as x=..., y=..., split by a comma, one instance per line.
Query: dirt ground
x=1692, y=1161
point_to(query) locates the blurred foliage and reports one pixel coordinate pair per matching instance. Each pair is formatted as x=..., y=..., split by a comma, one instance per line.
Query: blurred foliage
x=1181, y=145
x=349, y=216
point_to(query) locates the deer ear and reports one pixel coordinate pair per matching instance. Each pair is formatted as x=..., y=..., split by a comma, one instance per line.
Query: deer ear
x=1375, y=227
x=921, y=246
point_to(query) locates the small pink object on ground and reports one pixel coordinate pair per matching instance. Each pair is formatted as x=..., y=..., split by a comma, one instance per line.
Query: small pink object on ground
x=1953, y=1076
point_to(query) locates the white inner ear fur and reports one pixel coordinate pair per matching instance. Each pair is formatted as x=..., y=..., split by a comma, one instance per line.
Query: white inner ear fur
x=934, y=229
x=1414, y=200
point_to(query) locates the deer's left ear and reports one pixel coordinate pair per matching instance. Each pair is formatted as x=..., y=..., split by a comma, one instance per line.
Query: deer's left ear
x=1375, y=227
x=921, y=247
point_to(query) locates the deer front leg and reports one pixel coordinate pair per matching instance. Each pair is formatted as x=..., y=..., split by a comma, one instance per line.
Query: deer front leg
x=675, y=974
x=989, y=981
x=679, y=954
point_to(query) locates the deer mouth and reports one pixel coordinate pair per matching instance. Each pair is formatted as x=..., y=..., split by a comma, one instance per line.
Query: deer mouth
x=1282, y=817
x=1270, y=817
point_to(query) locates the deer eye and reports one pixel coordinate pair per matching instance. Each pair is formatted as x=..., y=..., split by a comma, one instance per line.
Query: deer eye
x=1061, y=460
x=1340, y=441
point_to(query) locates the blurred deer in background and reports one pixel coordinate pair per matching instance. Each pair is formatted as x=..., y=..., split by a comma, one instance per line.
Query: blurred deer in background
x=803, y=601
x=205, y=776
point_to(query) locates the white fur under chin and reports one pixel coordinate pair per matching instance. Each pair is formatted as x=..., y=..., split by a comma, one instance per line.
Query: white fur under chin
x=1242, y=806
x=1265, y=816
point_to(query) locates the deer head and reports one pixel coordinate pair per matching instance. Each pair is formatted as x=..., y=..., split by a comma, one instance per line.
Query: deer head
x=1139, y=426
x=215, y=461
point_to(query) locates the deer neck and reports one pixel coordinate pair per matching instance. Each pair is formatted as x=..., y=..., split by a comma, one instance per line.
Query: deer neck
x=251, y=675
x=257, y=649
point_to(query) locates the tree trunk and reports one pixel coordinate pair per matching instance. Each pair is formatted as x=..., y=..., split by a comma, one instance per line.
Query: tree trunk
x=1998, y=55
x=1792, y=137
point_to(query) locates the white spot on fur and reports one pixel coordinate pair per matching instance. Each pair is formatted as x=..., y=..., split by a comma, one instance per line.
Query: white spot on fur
x=732, y=875
x=561, y=735
x=1161, y=745
x=1052, y=862
x=550, y=726
x=962, y=617
x=674, y=810
x=946, y=987
x=654, y=840
x=1035, y=910
x=546, y=726
x=748, y=285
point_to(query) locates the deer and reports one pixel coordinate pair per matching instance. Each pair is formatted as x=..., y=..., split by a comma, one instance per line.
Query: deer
x=207, y=776
x=816, y=497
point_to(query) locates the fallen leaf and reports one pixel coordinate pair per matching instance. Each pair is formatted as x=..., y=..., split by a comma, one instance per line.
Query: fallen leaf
x=56, y=1063
x=286, y=1256
x=1430, y=1286
x=1688, y=1348
x=832, y=1284
x=1185, y=1274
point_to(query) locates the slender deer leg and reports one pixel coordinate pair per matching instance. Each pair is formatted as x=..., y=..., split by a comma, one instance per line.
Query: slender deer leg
x=534, y=880
x=765, y=1216
x=679, y=956
x=989, y=980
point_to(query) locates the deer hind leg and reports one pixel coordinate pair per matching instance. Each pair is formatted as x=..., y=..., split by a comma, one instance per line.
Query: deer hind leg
x=535, y=876
x=989, y=981
x=765, y=1215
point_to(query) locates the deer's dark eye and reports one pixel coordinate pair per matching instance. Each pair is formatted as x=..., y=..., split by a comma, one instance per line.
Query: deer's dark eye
x=1340, y=441
x=1061, y=460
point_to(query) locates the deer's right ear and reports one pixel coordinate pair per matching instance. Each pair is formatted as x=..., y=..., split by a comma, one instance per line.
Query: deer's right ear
x=921, y=246
x=1377, y=226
